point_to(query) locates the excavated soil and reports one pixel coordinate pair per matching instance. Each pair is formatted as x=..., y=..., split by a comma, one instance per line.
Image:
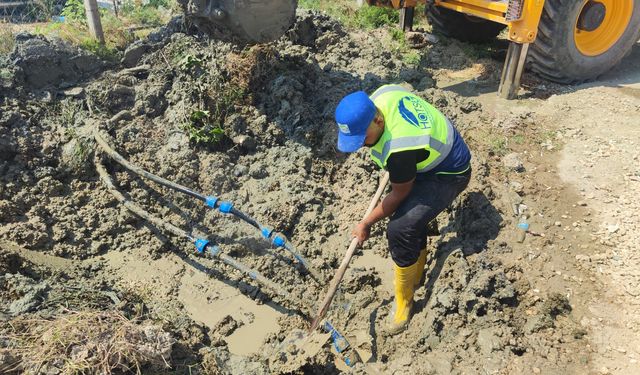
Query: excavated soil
x=489, y=304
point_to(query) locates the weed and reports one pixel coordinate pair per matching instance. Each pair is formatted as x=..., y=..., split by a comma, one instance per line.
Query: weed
x=412, y=58
x=518, y=139
x=74, y=11
x=189, y=62
x=309, y=4
x=373, y=17
x=498, y=144
x=148, y=14
x=101, y=50
x=201, y=129
x=205, y=127
x=69, y=111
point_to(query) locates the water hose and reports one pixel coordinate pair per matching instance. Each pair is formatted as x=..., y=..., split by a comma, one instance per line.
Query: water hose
x=340, y=343
x=212, y=202
x=203, y=246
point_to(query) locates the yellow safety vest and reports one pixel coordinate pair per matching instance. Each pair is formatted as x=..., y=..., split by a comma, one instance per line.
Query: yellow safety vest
x=410, y=124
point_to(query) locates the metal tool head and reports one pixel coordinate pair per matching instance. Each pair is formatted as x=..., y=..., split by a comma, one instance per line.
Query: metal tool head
x=254, y=21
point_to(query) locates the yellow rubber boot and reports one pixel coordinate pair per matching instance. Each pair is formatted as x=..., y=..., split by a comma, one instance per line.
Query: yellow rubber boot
x=404, y=282
x=422, y=260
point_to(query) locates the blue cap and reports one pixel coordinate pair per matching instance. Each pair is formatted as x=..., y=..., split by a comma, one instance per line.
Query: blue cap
x=353, y=115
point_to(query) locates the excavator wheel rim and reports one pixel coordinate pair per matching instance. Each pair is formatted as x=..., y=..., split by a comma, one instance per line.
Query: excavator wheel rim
x=606, y=35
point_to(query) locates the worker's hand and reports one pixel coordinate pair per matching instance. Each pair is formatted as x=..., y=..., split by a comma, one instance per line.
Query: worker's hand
x=361, y=231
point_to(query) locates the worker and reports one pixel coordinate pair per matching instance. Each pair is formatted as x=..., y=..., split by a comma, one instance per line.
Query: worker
x=428, y=164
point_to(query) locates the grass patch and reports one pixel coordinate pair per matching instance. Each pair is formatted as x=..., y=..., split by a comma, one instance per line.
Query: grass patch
x=133, y=21
x=6, y=39
x=89, y=342
x=372, y=17
x=498, y=144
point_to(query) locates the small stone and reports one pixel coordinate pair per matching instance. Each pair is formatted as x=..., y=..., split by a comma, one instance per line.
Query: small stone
x=581, y=203
x=245, y=141
x=536, y=370
x=513, y=162
x=517, y=187
x=76, y=92
x=558, y=224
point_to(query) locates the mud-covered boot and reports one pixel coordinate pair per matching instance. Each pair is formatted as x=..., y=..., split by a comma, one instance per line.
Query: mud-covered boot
x=404, y=282
x=422, y=260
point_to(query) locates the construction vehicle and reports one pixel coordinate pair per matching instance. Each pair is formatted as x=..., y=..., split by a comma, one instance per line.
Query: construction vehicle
x=564, y=41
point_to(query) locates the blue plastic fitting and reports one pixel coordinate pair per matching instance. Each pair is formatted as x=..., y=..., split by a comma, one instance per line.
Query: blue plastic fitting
x=201, y=244
x=214, y=250
x=266, y=232
x=279, y=241
x=211, y=201
x=225, y=207
x=253, y=275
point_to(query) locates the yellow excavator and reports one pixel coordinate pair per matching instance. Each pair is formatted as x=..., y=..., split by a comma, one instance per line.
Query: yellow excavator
x=564, y=41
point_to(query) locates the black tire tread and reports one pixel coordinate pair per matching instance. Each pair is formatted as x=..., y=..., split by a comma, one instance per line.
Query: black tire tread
x=543, y=57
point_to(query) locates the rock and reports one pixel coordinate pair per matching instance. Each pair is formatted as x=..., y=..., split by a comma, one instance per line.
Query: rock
x=134, y=53
x=76, y=92
x=416, y=39
x=488, y=341
x=513, y=162
x=227, y=326
x=245, y=141
x=517, y=187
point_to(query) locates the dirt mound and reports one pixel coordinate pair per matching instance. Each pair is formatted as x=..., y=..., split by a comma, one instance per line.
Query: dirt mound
x=41, y=62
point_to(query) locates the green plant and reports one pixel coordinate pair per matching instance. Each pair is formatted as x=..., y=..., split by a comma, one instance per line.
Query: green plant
x=372, y=17
x=498, y=145
x=201, y=129
x=74, y=11
x=518, y=139
x=309, y=4
x=411, y=58
x=189, y=61
x=147, y=15
x=101, y=50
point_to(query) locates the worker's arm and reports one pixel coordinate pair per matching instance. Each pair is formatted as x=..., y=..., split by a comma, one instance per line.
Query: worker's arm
x=389, y=205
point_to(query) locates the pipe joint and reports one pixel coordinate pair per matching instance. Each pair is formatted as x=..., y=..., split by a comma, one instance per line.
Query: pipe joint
x=225, y=207
x=211, y=201
x=201, y=245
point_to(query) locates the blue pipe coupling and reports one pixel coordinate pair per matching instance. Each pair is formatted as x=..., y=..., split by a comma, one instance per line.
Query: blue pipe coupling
x=202, y=244
x=276, y=239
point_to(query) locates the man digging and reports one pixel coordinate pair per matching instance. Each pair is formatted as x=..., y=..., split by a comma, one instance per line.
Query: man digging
x=428, y=164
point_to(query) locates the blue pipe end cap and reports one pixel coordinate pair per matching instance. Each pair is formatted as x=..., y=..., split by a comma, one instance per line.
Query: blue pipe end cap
x=214, y=250
x=201, y=244
x=279, y=241
x=211, y=201
x=225, y=207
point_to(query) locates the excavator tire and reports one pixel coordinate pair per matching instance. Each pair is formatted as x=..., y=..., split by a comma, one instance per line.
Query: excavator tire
x=461, y=26
x=566, y=54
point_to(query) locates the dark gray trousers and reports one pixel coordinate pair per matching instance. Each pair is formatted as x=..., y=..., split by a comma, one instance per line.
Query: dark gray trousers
x=407, y=230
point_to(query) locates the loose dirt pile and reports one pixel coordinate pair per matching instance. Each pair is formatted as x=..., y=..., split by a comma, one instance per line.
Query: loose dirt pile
x=254, y=125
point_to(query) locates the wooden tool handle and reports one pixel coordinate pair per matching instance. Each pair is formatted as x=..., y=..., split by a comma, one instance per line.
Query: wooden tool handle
x=337, y=278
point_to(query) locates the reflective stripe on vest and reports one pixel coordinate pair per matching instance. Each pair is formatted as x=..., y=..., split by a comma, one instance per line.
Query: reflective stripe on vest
x=385, y=89
x=398, y=143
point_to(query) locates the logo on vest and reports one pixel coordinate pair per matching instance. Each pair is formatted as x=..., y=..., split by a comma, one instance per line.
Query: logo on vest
x=415, y=112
